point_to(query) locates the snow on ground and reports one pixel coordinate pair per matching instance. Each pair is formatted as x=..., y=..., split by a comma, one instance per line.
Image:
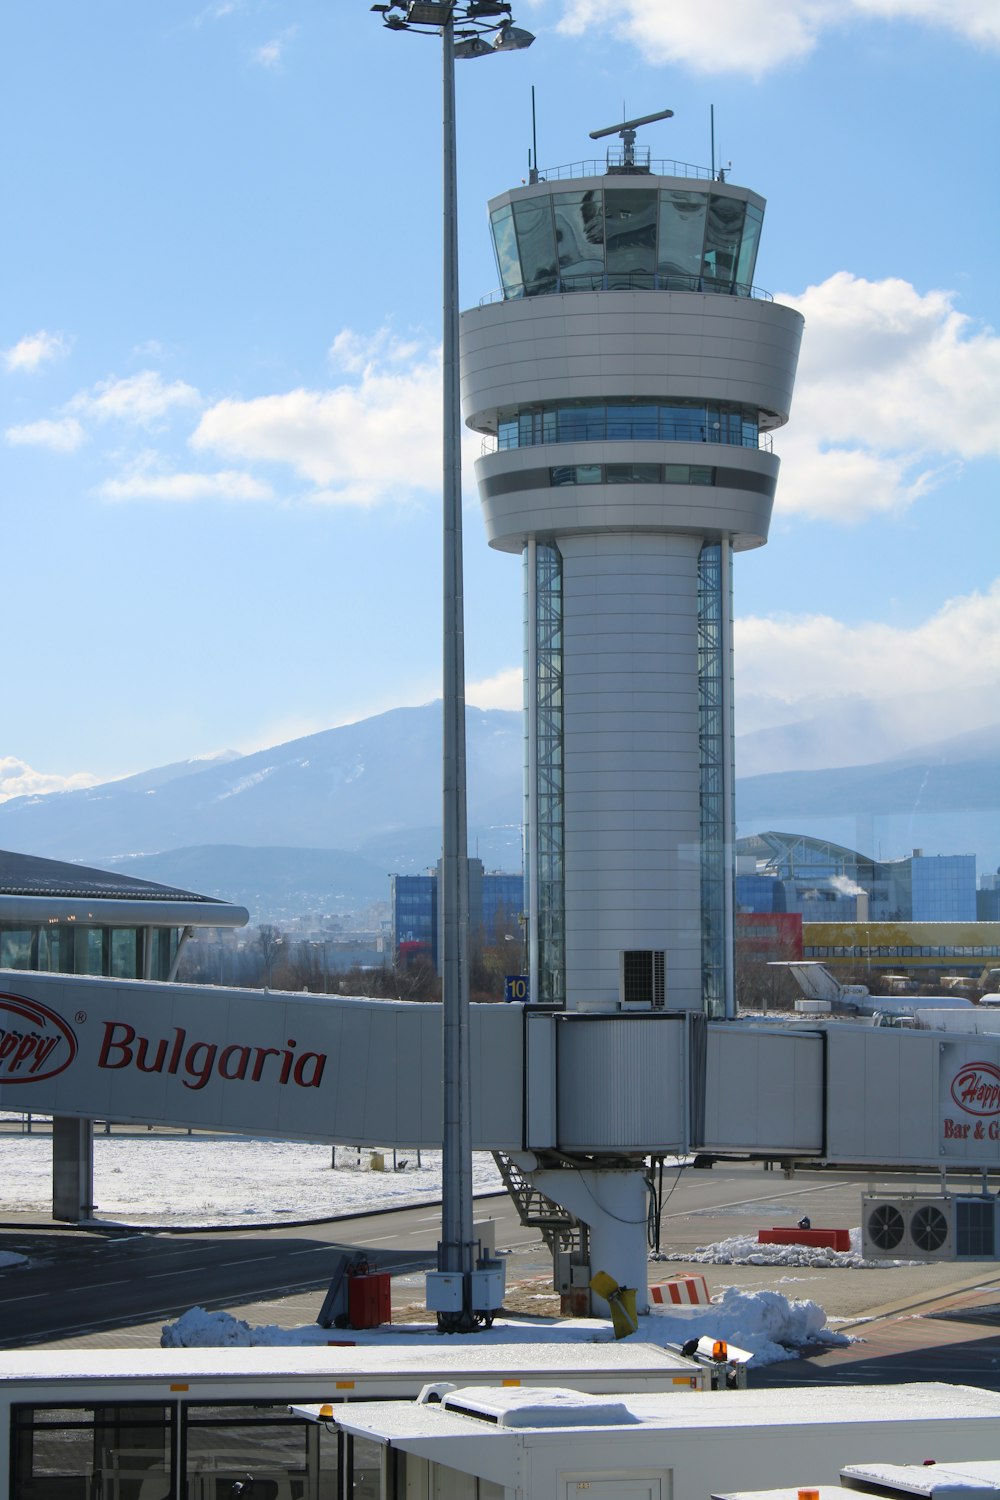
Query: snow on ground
x=765, y=1324
x=744, y=1250
x=211, y=1180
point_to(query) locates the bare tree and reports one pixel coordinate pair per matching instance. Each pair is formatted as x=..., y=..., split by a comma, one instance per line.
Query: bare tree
x=270, y=940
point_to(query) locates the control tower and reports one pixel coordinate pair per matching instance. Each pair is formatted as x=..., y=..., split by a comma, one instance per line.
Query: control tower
x=627, y=380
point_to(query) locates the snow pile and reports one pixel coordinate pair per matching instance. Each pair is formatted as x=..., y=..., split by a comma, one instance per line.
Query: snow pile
x=766, y=1324
x=744, y=1250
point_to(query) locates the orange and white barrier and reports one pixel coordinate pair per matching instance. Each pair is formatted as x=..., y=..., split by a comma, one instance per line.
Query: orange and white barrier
x=681, y=1291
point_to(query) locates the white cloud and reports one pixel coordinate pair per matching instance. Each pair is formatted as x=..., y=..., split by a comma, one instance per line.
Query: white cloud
x=17, y=779
x=503, y=690
x=893, y=387
x=147, y=482
x=789, y=668
x=34, y=350
x=63, y=436
x=217, y=11
x=755, y=36
x=270, y=55
x=375, y=438
x=145, y=399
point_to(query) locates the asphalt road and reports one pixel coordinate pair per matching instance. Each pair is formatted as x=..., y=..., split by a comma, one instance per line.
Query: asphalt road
x=80, y=1282
x=117, y=1289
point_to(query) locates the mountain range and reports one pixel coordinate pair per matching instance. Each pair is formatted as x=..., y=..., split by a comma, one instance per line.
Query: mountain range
x=319, y=823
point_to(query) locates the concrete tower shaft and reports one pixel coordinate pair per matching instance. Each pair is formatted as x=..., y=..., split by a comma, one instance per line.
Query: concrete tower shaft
x=627, y=384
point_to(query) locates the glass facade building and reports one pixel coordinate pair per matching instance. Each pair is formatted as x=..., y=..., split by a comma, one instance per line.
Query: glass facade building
x=496, y=902
x=943, y=887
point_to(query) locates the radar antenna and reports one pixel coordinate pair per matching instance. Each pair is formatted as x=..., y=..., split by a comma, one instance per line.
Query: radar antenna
x=627, y=130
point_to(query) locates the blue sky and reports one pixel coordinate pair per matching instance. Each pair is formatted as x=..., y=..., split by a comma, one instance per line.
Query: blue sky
x=219, y=339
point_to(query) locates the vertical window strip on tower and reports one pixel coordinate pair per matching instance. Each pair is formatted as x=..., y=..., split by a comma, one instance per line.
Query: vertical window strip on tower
x=712, y=662
x=548, y=841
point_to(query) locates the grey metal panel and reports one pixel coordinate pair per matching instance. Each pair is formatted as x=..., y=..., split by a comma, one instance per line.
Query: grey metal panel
x=540, y=1082
x=883, y=1095
x=682, y=343
x=497, y=1082
x=764, y=1089
x=259, y=1062
x=514, y=513
x=621, y=1083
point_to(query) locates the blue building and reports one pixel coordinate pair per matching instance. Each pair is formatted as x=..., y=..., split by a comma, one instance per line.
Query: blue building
x=496, y=902
x=943, y=887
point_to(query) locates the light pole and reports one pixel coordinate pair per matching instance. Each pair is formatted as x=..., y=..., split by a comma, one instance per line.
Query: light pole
x=464, y=26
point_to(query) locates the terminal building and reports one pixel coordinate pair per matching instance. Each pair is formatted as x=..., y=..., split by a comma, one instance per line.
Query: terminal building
x=627, y=381
x=63, y=918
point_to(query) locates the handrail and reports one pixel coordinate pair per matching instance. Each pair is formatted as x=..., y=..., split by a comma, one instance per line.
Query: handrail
x=661, y=167
x=629, y=281
x=680, y=433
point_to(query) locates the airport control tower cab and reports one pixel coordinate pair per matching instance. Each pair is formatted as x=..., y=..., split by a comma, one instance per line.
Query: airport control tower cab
x=627, y=379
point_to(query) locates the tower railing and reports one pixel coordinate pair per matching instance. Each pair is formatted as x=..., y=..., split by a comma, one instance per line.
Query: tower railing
x=678, y=432
x=598, y=167
x=626, y=281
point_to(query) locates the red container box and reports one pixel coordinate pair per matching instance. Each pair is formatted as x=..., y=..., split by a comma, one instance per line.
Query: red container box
x=368, y=1300
x=829, y=1239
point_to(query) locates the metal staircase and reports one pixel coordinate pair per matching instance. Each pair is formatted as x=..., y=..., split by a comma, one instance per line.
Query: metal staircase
x=561, y=1230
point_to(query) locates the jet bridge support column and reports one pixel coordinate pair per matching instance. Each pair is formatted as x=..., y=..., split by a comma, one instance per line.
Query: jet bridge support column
x=72, y=1169
x=613, y=1203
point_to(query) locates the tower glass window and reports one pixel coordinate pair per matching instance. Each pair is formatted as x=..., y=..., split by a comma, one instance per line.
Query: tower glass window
x=548, y=872
x=677, y=420
x=627, y=238
x=630, y=236
x=723, y=238
x=713, y=664
x=536, y=244
x=579, y=226
x=682, y=235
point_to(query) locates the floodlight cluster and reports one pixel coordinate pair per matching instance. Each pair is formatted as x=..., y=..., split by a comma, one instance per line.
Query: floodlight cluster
x=472, y=21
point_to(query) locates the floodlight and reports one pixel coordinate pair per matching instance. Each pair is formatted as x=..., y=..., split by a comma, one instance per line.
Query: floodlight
x=473, y=46
x=429, y=12
x=512, y=38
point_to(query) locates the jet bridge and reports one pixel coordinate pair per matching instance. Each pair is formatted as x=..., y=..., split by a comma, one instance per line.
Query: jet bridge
x=576, y=1101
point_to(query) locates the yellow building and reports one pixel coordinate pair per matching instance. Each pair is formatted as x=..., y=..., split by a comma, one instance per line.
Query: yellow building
x=950, y=947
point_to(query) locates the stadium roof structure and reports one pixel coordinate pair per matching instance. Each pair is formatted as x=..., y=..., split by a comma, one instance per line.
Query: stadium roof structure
x=788, y=855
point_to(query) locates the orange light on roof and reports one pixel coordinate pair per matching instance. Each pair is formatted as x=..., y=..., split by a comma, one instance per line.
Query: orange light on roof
x=720, y=1349
x=326, y=1410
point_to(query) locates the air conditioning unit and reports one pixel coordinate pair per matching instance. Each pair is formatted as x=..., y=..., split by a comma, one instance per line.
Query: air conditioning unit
x=945, y=1226
x=642, y=982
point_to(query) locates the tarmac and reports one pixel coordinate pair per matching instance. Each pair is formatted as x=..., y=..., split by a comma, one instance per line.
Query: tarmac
x=907, y=1321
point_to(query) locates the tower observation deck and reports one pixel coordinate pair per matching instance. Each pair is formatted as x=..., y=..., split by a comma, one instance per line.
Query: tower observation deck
x=627, y=381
